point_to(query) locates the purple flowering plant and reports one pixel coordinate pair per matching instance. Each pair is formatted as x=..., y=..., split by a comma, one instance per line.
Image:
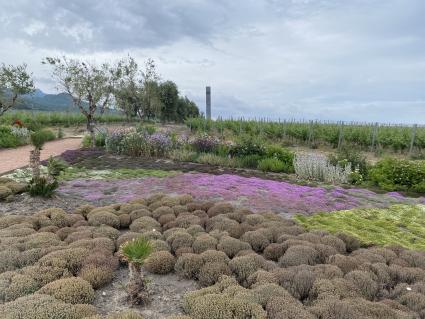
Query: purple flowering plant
x=205, y=143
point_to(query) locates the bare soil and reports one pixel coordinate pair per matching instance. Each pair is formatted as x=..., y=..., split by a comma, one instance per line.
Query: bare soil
x=11, y=159
x=24, y=204
x=166, y=293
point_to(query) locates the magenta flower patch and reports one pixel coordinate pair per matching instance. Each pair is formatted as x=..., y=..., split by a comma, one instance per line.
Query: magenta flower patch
x=255, y=193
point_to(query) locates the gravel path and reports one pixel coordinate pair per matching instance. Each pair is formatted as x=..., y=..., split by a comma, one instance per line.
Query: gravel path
x=11, y=159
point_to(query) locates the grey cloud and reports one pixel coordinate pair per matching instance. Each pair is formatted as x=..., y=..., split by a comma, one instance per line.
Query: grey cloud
x=325, y=59
x=111, y=25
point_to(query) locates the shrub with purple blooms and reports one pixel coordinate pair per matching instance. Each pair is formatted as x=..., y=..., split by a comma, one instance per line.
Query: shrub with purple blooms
x=113, y=141
x=138, y=143
x=159, y=144
x=205, y=143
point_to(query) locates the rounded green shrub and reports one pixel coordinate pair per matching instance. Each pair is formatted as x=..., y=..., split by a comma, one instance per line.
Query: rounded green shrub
x=188, y=265
x=163, y=210
x=274, y=251
x=70, y=290
x=210, y=273
x=185, y=220
x=142, y=212
x=261, y=277
x=245, y=266
x=71, y=259
x=39, y=306
x=104, y=218
x=210, y=256
x=365, y=282
x=180, y=239
x=264, y=292
x=95, y=243
x=204, y=242
x=231, y=246
x=44, y=274
x=286, y=307
x=220, y=208
x=256, y=239
x=160, y=262
x=145, y=223
x=14, y=285
x=299, y=255
x=50, y=217
x=351, y=242
x=218, y=306
x=97, y=276
x=167, y=218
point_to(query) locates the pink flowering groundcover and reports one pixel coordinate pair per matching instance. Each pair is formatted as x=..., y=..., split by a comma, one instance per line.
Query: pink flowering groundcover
x=255, y=193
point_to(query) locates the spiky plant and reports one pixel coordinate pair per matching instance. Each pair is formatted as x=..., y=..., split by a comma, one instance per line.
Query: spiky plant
x=38, y=139
x=135, y=253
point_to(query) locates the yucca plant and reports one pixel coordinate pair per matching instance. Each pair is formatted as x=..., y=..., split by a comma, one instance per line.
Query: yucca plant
x=135, y=253
x=38, y=139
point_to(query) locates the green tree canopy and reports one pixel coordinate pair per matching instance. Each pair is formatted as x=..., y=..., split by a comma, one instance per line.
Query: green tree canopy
x=14, y=81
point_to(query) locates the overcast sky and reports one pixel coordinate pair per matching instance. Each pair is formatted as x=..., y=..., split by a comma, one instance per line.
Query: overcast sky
x=347, y=60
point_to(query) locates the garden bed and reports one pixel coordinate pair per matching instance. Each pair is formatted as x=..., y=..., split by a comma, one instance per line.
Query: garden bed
x=64, y=264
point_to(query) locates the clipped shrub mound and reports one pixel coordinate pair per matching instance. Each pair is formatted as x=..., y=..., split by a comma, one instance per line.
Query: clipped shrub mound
x=71, y=290
x=160, y=262
x=9, y=187
x=251, y=265
x=41, y=306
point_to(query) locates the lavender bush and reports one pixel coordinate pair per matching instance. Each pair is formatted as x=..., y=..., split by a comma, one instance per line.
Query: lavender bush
x=114, y=139
x=205, y=143
x=159, y=144
x=317, y=167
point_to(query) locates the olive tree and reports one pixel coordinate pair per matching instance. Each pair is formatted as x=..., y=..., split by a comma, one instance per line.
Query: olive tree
x=151, y=105
x=90, y=85
x=127, y=92
x=14, y=82
x=137, y=92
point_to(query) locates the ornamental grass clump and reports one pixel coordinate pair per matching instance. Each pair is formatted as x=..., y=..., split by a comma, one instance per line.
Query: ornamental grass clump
x=135, y=253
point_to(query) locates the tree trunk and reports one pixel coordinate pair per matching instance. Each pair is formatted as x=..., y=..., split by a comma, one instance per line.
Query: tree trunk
x=35, y=163
x=136, y=288
x=90, y=128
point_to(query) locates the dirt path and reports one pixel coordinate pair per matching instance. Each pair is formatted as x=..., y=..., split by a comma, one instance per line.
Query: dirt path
x=11, y=159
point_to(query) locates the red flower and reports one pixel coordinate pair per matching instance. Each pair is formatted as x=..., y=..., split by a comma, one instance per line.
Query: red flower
x=18, y=123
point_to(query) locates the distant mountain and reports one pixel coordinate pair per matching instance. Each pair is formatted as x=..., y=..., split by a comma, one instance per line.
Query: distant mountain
x=40, y=101
x=36, y=93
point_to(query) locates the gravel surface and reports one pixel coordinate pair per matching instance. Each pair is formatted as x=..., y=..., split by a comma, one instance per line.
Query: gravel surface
x=166, y=293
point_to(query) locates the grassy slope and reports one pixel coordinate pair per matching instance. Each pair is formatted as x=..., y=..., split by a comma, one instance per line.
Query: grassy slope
x=399, y=224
